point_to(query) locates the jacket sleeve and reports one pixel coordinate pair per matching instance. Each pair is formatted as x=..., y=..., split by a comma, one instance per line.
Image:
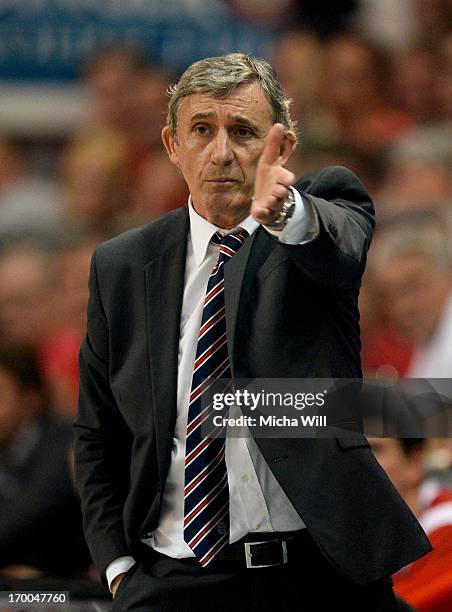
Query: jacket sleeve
x=102, y=442
x=336, y=258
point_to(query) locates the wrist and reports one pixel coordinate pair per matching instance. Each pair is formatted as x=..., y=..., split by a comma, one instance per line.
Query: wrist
x=286, y=212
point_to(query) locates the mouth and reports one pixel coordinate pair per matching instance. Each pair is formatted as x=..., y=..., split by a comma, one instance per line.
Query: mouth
x=222, y=180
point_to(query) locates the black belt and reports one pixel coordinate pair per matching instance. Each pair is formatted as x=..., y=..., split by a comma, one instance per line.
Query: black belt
x=263, y=549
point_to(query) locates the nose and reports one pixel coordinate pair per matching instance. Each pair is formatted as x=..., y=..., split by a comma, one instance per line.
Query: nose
x=222, y=153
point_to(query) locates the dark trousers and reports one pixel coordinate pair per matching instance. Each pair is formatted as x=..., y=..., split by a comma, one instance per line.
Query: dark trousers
x=308, y=583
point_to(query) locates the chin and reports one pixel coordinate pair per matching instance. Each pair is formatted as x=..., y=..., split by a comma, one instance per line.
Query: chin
x=227, y=206
x=227, y=216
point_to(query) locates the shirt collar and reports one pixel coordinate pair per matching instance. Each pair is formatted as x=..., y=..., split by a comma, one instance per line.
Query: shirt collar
x=201, y=231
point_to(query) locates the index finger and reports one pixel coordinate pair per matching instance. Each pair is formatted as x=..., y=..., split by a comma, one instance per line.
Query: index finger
x=273, y=143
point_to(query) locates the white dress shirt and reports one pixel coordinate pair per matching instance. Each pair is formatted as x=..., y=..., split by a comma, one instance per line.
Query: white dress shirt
x=256, y=500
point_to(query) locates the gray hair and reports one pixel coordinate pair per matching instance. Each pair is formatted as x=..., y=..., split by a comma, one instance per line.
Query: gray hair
x=220, y=76
x=421, y=238
x=424, y=145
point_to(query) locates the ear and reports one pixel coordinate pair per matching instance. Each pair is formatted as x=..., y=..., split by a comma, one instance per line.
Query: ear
x=170, y=145
x=287, y=147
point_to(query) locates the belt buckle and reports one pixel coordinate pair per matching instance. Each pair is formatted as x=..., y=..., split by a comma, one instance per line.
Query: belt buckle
x=248, y=556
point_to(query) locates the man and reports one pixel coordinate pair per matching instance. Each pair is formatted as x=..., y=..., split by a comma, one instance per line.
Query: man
x=427, y=583
x=28, y=284
x=412, y=269
x=40, y=521
x=182, y=522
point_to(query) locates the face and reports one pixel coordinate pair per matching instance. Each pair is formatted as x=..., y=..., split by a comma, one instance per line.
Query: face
x=25, y=300
x=415, y=292
x=405, y=471
x=217, y=148
x=350, y=74
x=114, y=84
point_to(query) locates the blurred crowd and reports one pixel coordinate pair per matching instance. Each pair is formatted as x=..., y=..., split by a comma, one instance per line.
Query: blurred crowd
x=371, y=89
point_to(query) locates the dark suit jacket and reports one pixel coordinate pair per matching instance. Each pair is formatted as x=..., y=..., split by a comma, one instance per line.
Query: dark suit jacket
x=291, y=311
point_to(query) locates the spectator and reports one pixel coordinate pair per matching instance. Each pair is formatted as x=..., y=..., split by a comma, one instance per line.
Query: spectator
x=265, y=13
x=412, y=266
x=107, y=168
x=27, y=290
x=391, y=24
x=298, y=61
x=426, y=584
x=394, y=24
x=416, y=84
x=58, y=356
x=413, y=269
x=356, y=90
x=29, y=204
x=128, y=93
x=319, y=16
x=159, y=189
x=418, y=173
x=43, y=309
x=384, y=352
x=40, y=520
x=96, y=189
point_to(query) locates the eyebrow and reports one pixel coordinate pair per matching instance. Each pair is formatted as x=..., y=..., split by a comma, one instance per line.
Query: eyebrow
x=198, y=116
x=234, y=118
x=245, y=121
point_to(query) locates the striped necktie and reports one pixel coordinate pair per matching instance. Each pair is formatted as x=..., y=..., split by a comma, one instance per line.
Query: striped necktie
x=206, y=492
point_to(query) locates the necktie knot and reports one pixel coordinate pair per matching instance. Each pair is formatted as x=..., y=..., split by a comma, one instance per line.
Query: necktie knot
x=229, y=244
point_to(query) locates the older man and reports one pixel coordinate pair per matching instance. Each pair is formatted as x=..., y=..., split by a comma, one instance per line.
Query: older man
x=412, y=268
x=258, y=279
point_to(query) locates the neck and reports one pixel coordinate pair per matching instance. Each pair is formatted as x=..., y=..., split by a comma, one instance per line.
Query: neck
x=223, y=220
x=226, y=223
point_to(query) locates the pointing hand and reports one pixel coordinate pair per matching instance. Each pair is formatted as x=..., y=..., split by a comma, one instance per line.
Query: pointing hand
x=272, y=181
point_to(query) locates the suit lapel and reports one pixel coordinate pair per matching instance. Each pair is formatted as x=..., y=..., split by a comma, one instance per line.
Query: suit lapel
x=256, y=258
x=164, y=292
x=234, y=271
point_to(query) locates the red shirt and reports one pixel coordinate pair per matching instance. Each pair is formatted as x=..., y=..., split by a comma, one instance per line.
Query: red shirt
x=426, y=584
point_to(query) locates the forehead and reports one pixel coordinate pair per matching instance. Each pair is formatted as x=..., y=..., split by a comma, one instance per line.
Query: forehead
x=247, y=101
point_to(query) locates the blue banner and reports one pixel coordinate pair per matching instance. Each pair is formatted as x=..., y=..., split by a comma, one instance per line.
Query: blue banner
x=51, y=39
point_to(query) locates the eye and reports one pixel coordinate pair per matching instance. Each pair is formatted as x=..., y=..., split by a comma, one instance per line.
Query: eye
x=201, y=130
x=243, y=132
